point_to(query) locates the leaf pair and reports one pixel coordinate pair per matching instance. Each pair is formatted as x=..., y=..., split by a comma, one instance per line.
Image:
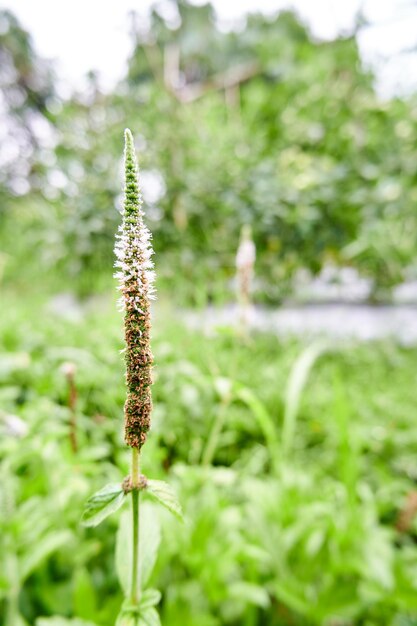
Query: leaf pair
x=144, y=614
x=109, y=499
x=147, y=617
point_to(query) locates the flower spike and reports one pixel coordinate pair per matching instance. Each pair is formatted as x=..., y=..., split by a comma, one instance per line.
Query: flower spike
x=136, y=277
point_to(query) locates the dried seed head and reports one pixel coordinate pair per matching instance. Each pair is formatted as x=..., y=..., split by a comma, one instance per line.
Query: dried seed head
x=135, y=273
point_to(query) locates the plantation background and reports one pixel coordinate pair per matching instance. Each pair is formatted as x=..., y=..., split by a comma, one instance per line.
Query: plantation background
x=304, y=512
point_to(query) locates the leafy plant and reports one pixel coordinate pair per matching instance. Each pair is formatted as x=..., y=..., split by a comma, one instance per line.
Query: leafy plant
x=134, y=251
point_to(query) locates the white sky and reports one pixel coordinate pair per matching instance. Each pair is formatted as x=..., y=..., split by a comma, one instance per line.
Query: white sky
x=92, y=34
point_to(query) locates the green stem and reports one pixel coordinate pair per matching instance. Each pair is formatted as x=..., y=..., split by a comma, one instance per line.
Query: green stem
x=135, y=593
x=135, y=468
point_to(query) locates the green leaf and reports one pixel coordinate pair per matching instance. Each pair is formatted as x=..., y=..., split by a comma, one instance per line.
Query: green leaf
x=61, y=621
x=41, y=551
x=149, y=539
x=292, y=597
x=123, y=553
x=19, y=620
x=250, y=593
x=141, y=615
x=127, y=618
x=84, y=596
x=150, y=597
x=164, y=493
x=296, y=383
x=260, y=413
x=149, y=617
x=102, y=504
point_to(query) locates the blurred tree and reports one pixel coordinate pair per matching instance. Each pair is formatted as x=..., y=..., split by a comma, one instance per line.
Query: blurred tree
x=28, y=106
x=263, y=126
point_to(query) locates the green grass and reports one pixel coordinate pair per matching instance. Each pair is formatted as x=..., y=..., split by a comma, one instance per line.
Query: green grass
x=274, y=535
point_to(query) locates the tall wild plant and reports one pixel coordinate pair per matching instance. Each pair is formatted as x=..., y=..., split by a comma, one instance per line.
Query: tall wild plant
x=136, y=277
x=245, y=262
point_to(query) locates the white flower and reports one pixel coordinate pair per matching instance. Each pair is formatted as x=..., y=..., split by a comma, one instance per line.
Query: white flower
x=133, y=247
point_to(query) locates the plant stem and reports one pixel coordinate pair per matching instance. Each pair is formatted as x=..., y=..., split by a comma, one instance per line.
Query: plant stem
x=135, y=468
x=135, y=594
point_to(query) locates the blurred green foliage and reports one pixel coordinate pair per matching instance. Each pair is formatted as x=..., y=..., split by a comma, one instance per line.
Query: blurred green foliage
x=295, y=466
x=265, y=125
x=324, y=534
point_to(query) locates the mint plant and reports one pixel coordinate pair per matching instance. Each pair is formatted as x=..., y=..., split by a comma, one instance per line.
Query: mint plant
x=136, y=277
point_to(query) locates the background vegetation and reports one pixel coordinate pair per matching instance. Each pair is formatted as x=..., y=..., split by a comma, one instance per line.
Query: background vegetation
x=302, y=511
x=266, y=126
